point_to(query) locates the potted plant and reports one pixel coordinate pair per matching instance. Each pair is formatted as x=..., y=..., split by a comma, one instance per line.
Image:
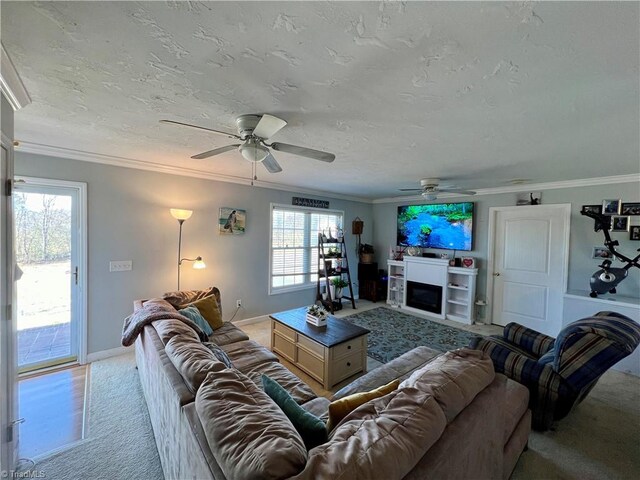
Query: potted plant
x=337, y=284
x=317, y=315
x=366, y=253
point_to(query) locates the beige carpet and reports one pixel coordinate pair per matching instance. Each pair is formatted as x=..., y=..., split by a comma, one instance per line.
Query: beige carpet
x=119, y=442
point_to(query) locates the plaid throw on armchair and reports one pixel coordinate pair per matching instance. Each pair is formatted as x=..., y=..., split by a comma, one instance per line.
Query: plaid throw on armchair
x=560, y=372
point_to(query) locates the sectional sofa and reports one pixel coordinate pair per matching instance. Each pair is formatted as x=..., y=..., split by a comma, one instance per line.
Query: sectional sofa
x=451, y=416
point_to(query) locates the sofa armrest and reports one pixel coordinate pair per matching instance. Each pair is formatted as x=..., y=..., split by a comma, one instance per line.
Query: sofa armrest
x=397, y=369
x=535, y=342
x=549, y=392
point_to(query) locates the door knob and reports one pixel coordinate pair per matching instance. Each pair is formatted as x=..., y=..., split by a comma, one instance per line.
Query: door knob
x=496, y=274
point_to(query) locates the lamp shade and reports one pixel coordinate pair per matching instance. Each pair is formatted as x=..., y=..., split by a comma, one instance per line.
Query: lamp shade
x=180, y=214
x=199, y=264
x=252, y=150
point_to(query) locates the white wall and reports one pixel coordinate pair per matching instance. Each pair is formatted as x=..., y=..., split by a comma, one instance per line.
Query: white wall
x=583, y=238
x=129, y=219
x=6, y=117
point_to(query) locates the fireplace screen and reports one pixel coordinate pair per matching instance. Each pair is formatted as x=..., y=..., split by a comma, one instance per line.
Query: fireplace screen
x=424, y=297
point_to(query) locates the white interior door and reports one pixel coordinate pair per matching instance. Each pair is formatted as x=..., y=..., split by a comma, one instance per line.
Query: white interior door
x=8, y=390
x=527, y=271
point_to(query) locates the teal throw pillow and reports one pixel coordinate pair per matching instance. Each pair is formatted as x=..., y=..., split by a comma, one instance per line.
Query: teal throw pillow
x=219, y=353
x=193, y=314
x=312, y=430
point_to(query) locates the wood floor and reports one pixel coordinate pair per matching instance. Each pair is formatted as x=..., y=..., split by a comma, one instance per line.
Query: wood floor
x=53, y=406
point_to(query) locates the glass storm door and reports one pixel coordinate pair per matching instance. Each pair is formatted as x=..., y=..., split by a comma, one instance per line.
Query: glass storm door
x=46, y=240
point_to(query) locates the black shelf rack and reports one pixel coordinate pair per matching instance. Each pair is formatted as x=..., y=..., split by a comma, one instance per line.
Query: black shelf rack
x=330, y=265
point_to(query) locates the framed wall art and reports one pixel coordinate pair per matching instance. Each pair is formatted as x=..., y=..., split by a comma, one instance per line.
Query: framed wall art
x=592, y=208
x=630, y=208
x=620, y=224
x=601, y=252
x=611, y=207
x=634, y=232
x=232, y=221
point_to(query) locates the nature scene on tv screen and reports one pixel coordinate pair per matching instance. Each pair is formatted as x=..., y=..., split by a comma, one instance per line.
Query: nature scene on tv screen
x=443, y=225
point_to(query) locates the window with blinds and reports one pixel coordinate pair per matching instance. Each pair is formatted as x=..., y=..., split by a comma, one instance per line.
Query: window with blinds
x=294, y=245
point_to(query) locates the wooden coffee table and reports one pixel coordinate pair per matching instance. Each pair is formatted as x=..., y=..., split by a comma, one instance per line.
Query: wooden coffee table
x=329, y=354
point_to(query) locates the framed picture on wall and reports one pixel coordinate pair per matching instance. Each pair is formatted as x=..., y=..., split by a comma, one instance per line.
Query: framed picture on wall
x=601, y=252
x=620, y=224
x=611, y=207
x=232, y=221
x=592, y=208
x=634, y=233
x=630, y=209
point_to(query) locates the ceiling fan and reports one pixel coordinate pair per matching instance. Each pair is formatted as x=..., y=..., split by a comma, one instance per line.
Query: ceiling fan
x=430, y=188
x=253, y=131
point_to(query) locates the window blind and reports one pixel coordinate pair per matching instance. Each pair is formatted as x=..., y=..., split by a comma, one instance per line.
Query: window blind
x=294, y=244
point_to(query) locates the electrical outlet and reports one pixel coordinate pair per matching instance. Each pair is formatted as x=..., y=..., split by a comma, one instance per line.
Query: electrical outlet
x=238, y=303
x=120, y=265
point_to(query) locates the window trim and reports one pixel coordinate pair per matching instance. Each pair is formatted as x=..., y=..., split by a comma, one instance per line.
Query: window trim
x=283, y=206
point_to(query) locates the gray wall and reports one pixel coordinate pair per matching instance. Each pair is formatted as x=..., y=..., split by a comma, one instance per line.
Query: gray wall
x=582, y=239
x=129, y=219
x=6, y=117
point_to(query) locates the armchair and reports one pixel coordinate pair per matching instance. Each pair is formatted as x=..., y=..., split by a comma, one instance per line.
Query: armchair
x=560, y=372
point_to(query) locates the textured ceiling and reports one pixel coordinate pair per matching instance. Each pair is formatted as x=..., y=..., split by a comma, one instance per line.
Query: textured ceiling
x=478, y=92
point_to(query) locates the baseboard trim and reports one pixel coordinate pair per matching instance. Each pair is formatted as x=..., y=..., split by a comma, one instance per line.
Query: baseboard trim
x=249, y=321
x=112, y=352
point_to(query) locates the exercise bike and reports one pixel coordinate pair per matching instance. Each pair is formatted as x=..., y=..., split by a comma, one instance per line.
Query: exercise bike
x=608, y=278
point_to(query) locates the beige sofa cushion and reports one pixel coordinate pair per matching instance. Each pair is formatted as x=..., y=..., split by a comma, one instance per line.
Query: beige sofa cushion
x=454, y=379
x=248, y=434
x=169, y=328
x=384, y=438
x=192, y=359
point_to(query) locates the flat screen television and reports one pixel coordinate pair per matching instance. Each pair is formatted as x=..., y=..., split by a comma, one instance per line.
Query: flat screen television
x=441, y=225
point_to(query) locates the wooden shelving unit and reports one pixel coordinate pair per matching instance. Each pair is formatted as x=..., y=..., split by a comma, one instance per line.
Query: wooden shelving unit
x=333, y=263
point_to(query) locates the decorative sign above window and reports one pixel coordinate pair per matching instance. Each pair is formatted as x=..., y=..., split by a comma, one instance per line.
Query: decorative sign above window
x=309, y=202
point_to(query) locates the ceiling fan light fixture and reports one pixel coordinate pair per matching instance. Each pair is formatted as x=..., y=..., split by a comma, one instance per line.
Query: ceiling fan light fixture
x=430, y=196
x=253, y=151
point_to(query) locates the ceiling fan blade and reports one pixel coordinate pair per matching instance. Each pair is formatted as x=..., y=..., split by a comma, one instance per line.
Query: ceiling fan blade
x=172, y=122
x=268, y=126
x=410, y=189
x=215, y=151
x=453, y=190
x=304, y=152
x=270, y=164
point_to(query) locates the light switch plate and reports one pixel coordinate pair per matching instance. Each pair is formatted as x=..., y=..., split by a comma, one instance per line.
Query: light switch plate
x=120, y=265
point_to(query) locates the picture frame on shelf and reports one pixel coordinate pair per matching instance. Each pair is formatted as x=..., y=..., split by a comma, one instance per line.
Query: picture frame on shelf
x=630, y=208
x=592, y=209
x=620, y=224
x=611, y=207
x=634, y=233
x=601, y=252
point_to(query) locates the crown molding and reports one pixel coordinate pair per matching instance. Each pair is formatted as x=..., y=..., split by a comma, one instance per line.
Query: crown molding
x=69, y=153
x=10, y=82
x=529, y=187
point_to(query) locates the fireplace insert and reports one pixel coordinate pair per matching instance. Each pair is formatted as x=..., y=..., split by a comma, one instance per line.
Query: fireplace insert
x=424, y=296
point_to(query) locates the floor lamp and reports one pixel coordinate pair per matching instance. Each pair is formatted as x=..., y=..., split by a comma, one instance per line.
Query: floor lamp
x=181, y=216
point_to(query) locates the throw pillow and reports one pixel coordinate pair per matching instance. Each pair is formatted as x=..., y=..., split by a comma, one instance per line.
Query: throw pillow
x=343, y=407
x=208, y=307
x=311, y=428
x=219, y=353
x=193, y=314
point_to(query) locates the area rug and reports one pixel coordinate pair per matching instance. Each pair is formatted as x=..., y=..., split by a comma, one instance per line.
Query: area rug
x=119, y=442
x=394, y=332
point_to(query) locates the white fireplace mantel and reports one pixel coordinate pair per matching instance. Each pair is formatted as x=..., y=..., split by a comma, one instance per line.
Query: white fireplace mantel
x=458, y=286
